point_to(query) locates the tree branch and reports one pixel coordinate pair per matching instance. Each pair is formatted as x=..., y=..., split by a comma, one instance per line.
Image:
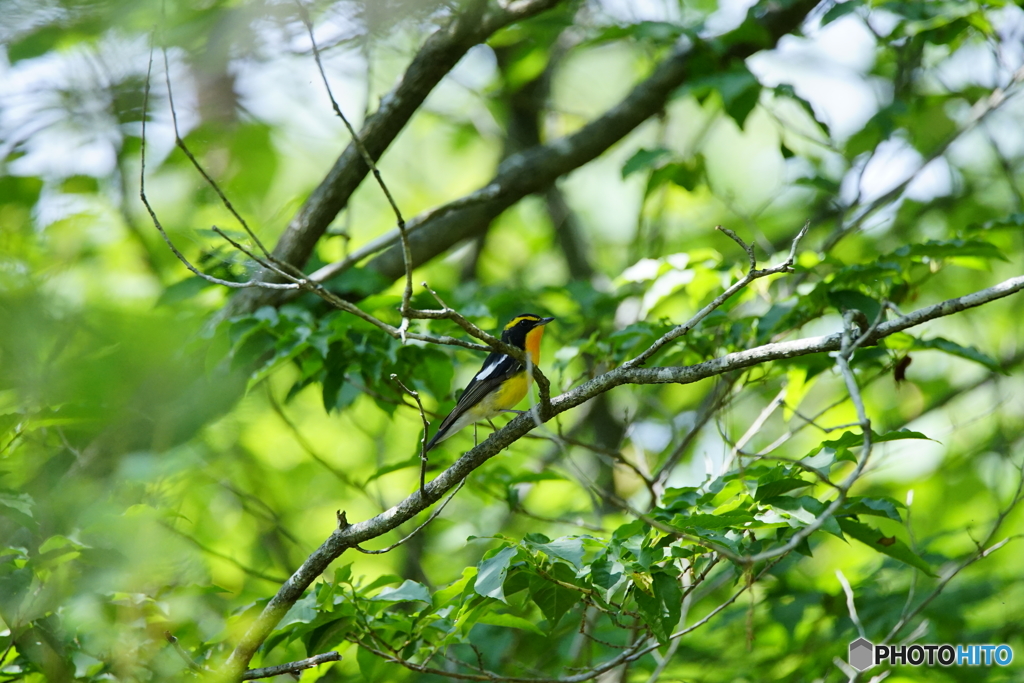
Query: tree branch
x=349, y=536
x=439, y=54
x=291, y=667
x=536, y=168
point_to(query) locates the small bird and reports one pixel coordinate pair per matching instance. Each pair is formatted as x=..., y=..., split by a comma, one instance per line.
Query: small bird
x=501, y=383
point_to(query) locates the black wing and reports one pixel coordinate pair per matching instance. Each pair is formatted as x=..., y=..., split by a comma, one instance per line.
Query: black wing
x=496, y=369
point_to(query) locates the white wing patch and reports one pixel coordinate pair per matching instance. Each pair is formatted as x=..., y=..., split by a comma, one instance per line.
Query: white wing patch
x=488, y=371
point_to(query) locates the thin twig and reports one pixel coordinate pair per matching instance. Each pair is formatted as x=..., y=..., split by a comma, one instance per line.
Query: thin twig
x=202, y=171
x=415, y=531
x=851, y=606
x=426, y=425
x=983, y=551
x=754, y=428
x=368, y=160
x=185, y=656
x=752, y=274
x=252, y=282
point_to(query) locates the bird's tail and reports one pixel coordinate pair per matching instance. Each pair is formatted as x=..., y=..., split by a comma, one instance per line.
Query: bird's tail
x=436, y=440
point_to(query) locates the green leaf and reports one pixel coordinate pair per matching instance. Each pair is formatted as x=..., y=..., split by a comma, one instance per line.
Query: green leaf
x=950, y=249
x=848, y=299
x=771, y=489
x=738, y=89
x=686, y=174
x=567, y=548
x=37, y=43
x=643, y=159
x=302, y=612
x=1014, y=220
x=852, y=440
x=408, y=591
x=839, y=10
x=327, y=635
x=680, y=499
x=954, y=349
x=637, y=527
x=733, y=519
x=662, y=606
x=491, y=574
x=786, y=90
x=509, y=621
x=373, y=668
x=655, y=32
x=13, y=589
x=805, y=509
x=668, y=591
x=879, y=507
x=605, y=572
x=826, y=185
x=384, y=580
x=21, y=502
x=878, y=128
x=895, y=548
x=554, y=600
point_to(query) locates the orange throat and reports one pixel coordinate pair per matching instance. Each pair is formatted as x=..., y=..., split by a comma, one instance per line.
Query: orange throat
x=533, y=338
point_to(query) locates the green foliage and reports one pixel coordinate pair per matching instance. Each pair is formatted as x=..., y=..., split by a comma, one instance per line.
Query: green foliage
x=167, y=462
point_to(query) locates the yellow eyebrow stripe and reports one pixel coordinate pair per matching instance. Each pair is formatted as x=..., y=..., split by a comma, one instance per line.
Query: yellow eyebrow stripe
x=518, y=319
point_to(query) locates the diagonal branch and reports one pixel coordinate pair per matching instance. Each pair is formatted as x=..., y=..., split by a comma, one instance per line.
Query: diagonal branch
x=439, y=54
x=752, y=274
x=534, y=169
x=351, y=535
x=291, y=667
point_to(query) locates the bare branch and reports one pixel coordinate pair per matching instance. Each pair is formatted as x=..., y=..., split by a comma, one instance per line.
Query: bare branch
x=438, y=55
x=156, y=221
x=752, y=274
x=199, y=167
x=535, y=169
x=291, y=667
x=426, y=426
x=851, y=606
x=415, y=531
x=368, y=160
x=185, y=656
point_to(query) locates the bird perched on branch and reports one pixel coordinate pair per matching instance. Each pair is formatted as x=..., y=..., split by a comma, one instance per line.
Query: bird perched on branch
x=501, y=383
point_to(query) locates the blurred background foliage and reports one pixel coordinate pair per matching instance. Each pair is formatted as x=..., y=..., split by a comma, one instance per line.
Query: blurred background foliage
x=160, y=472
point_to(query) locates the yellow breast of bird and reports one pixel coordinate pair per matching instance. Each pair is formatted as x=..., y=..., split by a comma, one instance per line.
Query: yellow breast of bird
x=507, y=396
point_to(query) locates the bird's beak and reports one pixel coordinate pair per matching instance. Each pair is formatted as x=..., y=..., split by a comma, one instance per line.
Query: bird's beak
x=544, y=321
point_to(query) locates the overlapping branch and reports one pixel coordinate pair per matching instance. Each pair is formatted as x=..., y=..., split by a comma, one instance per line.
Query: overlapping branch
x=439, y=54
x=534, y=169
